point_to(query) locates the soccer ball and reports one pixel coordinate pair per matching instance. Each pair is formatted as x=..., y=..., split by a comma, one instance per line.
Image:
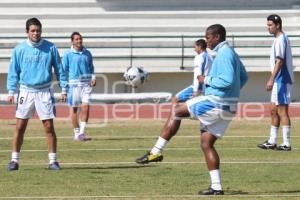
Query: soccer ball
x=135, y=76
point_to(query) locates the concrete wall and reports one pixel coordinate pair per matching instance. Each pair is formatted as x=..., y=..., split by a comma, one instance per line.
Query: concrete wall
x=180, y=5
x=254, y=90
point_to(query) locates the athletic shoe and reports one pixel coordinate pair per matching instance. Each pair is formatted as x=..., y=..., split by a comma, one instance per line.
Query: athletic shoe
x=267, y=145
x=54, y=166
x=82, y=137
x=12, y=166
x=283, y=147
x=211, y=191
x=148, y=157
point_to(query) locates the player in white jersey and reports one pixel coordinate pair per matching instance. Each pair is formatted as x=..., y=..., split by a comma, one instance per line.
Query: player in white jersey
x=31, y=68
x=202, y=65
x=279, y=83
x=78, y=65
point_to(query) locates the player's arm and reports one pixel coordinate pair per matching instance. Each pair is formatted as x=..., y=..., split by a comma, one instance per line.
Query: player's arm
x=276, y=70
x=223, y=80
x=243, y=75
x=60, y=74
x=93, y=81
x=13, y=77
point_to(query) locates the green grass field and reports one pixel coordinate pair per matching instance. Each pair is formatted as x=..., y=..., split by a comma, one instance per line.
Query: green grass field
x=104, y=168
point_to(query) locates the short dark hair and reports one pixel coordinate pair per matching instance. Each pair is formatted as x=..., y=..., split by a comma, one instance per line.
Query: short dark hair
x=75, y=33
x=218, y=29
x=201, y=43
x=276, y=19
x=33, y=21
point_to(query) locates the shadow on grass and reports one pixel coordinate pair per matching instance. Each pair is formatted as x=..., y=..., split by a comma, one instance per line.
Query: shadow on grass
x=107, y=167
x=235, y=192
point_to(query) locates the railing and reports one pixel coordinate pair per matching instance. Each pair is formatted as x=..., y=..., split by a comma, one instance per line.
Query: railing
x=183, y=43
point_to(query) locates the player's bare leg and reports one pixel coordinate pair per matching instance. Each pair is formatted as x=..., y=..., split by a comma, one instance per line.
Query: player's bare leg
x=271, y=143
x=178, y=111
x=74, y=117
x=17, y=142
x=283, y=112
x=213, y=163
x=52, y=143
x=84, y=116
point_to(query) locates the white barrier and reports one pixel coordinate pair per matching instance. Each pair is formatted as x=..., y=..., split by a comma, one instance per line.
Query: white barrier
x=152, y=97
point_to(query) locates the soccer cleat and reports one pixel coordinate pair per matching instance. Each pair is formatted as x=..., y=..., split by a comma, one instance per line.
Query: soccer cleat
x=82, y=137
x=267, y=145
x=211, y=191
x=283, y=147
x=54, y=166
x=12, y=166
x=148, y=157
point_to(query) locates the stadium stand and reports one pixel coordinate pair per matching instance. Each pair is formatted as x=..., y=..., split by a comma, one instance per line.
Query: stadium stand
x=157, y=37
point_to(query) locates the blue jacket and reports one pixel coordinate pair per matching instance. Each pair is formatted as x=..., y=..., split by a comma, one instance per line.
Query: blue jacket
x=226, y=77
x=31, y=67
x=78, y=66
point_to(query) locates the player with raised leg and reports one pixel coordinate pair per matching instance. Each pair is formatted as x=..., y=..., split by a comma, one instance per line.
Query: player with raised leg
x=216, y=109
x=202, y=64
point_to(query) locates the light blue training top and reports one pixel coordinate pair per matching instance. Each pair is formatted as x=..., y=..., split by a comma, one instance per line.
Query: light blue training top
x=78, y=66
x=31, y=67
x=226, y=77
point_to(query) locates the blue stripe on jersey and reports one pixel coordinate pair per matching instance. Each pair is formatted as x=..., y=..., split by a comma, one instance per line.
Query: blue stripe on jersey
x=284, y=76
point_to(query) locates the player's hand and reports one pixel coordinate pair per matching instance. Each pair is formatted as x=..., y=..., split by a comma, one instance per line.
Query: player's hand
x=201, y=78
x=10, y=99
x=270, y=84
x=63, y=98
x=93, y=83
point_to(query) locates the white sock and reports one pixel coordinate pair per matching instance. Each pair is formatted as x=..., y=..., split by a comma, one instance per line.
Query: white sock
x=15, y=156
x=159, y=145
x=273, y=135
x=286, y=134
x=82, y=127
x=52, y=157
x=76, y=130
x=215, y=178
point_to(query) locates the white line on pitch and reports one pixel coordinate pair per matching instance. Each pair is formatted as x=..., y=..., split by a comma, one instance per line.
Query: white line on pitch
x=167, y=163
x=151, y=197
x=141, y=137
x=133, y=149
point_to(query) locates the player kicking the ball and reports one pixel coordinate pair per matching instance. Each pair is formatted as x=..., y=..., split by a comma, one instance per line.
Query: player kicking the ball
x=216, y=109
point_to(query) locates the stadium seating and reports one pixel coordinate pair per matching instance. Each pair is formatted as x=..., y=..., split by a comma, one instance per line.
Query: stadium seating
x=161, y=37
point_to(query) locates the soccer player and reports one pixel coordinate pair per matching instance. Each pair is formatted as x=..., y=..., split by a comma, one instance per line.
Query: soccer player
x=217, y=107
x=31, y=68
x=78, y=65
x=202, y=65
x=280, y=83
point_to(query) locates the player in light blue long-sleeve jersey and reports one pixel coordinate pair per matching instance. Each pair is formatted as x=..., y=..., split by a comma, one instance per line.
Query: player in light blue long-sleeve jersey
x=31, y=67
x=79, y=68
x=218, y=106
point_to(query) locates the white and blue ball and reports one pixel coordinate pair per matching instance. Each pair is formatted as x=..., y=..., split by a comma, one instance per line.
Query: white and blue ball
x=135, y=76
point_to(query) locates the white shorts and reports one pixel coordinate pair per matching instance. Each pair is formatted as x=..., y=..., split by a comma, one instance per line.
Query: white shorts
x=42, y=102
x=78, y=95
x=214, y=119
x=281, y=94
